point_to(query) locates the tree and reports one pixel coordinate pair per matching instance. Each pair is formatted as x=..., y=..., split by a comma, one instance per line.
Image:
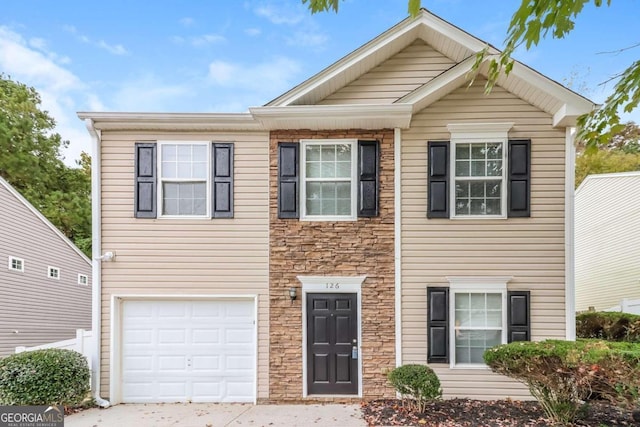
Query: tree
x=620, y=154
x=532, y=21
x=31, y=162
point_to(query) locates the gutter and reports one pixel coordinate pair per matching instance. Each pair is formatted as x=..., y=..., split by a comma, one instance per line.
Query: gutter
x=397, y=214
x=569, y=235
x=96, y=262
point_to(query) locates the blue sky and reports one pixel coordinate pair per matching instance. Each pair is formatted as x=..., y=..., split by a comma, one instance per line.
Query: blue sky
x=228, y=55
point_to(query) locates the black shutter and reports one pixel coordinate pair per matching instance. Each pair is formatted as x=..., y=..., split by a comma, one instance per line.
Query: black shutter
x=368, y=178
x=222, y=180
x=519, y=189
x=438, y=180
x=145, y=190
x=288, y=180
x=438, y=325
x=519, y=324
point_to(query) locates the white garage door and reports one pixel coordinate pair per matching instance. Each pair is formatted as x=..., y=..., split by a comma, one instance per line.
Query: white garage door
x=188, y=351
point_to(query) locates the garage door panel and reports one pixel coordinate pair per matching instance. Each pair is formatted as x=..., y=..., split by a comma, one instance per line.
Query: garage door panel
x=200, y=351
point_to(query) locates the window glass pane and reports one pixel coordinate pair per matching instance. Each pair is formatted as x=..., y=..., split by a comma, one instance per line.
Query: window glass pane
x=200, y=170
x=494, y=207
x=477, y=301
x=314, y=190
x=328, y=207
x=169, y=152
x=463, y=318
x=313, y=170
x=477, y=317
x=462, y=301
x=328, y=170
x=184, y=198
x=343, y=207
x=462, y=168
x=462, y=151
x=494, y=188
x=462, y=207
x=476, y=207
x=314, y=207
x=344, y=190
x=477, y=188
x=184, y=153
x=494, y=168
x=478, y=168
x=199, y=152
x=494, y=301
x=343, y=153
x=328, y=153
x=478, y=151
x=169, y=170
x=184, y=170
x=313, y=153
x=328, y=191
x=494, y=151
x=343, y=169
x=494, y=318
x=471, y=345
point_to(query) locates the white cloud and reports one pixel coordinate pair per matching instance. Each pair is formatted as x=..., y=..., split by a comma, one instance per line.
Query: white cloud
x=116, y=49
x=186, y=21
x=38, y=43
x=57, y=86
x=199, y=41
x=266, y=77
x=149, y=93
x=282, y=13
x=253, y=32
x=307, y=39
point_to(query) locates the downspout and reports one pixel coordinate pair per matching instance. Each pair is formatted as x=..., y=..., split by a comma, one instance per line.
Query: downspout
x=397, y=223
x=569, y=244
x=96, y=262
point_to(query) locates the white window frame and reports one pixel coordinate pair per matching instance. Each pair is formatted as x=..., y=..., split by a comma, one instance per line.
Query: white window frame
x=474, y=133
x=10, y=265
x=303, y=180
x=477, y=285
x=50, y=270
x=160, y=195
x=85, y=277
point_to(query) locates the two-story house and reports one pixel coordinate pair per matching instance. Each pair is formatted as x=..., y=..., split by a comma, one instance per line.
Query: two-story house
x=45, y=280
x=383, y=212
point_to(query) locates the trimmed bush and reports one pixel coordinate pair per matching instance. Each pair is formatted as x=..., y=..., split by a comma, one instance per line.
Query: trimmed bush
x=562, y=375
x=44, y=377
x=417, y=385
x=608, y=325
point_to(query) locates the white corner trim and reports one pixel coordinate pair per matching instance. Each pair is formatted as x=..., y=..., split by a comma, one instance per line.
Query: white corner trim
x=397, y=224
x=480, y=130
x=569, y=235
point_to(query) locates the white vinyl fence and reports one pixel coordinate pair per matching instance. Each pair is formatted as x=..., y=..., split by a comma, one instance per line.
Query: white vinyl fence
x=627, y=306
x=82, y=343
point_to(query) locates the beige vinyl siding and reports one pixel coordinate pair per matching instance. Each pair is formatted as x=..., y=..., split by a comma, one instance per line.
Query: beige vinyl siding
x=407, y=70
x=187, y=256
x=607, y=240
x=530, y=250
x=35, y=309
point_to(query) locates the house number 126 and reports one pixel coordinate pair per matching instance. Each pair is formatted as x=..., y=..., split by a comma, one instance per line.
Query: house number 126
x=333, y=286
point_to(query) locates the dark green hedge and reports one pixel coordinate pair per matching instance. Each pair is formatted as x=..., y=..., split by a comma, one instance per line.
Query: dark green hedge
x=608, y=325
x=44, y=377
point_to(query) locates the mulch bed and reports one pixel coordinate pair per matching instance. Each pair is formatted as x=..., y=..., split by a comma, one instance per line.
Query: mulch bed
x=481, y=413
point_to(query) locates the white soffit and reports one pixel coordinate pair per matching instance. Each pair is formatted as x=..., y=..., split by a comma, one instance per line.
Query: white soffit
x=172, y=121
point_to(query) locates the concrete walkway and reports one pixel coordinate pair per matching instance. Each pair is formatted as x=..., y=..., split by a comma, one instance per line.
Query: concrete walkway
x=218, y=415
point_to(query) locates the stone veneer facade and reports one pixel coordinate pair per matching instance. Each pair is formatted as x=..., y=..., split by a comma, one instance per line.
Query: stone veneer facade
x=343, y=248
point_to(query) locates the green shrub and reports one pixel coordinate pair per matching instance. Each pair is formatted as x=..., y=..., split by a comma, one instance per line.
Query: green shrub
x=562, y=375
x=417, y=384
x=44, y=377
x=608, y=325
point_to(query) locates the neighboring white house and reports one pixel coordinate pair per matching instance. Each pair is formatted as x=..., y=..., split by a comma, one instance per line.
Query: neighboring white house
x=607, y=240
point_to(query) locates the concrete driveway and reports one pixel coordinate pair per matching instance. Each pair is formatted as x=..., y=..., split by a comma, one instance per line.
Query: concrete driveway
x=218, y=415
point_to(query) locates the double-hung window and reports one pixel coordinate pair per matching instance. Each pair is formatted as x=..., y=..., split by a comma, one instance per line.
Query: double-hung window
x=328, y=187
x=184, y=179
x=480, y=188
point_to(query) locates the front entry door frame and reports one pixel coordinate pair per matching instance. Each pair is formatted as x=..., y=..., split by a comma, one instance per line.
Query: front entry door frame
x=331, y=285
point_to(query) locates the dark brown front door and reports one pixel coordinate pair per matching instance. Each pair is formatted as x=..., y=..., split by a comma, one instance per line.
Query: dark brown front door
x=332, y=342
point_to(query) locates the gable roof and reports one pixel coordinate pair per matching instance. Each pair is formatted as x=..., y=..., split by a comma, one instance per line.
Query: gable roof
x=42, y=218
x=453, y=42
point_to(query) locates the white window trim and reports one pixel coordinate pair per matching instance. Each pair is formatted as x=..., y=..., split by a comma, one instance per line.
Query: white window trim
x=470, y=133
x=481, y=285
x=86, y=277
x=50, y=269
x=207, y=214
x=10, y=266
x=354, y=180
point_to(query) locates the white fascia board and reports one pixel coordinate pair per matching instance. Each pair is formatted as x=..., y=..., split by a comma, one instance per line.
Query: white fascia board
x=370, y=116
x=171, y=121
x=574, y=104
x=435, y=23
x=42, y=218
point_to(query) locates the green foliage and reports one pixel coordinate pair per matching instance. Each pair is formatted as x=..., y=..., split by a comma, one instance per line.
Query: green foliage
x=44, y=377
x=561, y=375
x=417, y=384
x=605, y=161
x=34, y=166
x=608, y=325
